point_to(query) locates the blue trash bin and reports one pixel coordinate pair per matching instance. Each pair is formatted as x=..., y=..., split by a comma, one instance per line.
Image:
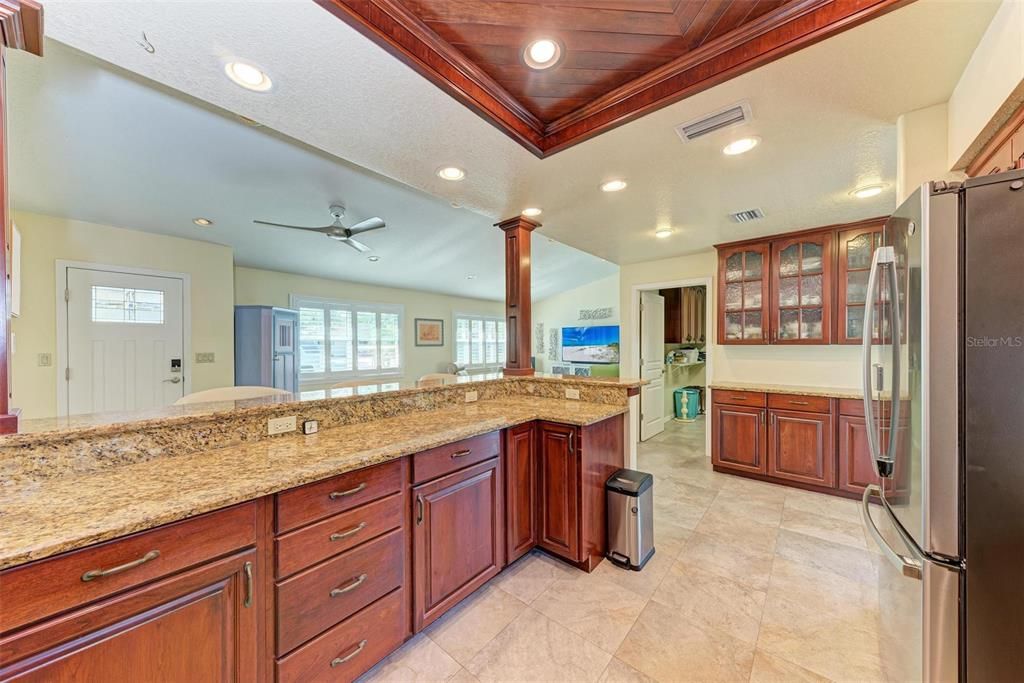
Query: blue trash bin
x=687, y=403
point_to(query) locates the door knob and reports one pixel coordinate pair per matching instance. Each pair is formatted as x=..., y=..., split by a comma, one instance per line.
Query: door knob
x=173, y=380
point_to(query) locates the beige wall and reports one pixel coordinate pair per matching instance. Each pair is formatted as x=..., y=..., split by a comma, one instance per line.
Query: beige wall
x=267, y=287
x=46, y=239
x=991, y=86
x=562, y=310
x=921, y=149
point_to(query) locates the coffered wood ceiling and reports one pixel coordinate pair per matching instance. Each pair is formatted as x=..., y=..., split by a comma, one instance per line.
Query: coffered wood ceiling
x=622, y=58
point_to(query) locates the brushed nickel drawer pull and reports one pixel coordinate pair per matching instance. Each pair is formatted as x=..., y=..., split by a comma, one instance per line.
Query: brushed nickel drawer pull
x=341, y=535
x=99, y=573
x=738, y=398
x=341, y=494
x=352, y=585
x=800, y=403
x=462, y=453
x=248, y=584
x=338, y=661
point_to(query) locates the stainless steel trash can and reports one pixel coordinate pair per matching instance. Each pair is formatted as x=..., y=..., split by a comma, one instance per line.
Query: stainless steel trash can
x=630, y=496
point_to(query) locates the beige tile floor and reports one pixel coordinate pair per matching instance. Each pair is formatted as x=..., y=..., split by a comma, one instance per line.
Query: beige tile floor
x=749, y=582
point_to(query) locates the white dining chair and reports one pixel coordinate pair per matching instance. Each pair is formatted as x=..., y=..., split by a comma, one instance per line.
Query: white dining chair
x=437, y=378
x=229, y=394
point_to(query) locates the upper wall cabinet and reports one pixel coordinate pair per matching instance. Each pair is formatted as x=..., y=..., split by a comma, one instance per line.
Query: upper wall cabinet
x=743, y=294
x=806, y=287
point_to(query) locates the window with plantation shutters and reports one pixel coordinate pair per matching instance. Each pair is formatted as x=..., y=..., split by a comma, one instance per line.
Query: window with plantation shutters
x=480, y=341
x=341, y=340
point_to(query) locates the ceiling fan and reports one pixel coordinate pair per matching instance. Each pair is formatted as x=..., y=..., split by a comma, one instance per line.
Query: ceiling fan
x=337, y=230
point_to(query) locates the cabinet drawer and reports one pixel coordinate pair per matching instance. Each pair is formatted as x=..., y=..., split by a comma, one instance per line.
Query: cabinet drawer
x=349, y=649
x=47, y=587
x=328, y=497
x=855, y=407
x=319, y=598
x=808, y=404
x=307, y=546
x=740, y=398
x=444, y=459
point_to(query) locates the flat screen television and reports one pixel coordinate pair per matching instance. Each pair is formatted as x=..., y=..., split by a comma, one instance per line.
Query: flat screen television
x=596, y=345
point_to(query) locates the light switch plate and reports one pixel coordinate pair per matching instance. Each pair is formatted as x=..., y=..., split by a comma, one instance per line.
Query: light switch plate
x=280, y=425
x=471, y=396
x=45, y=360
x=310, y=427
x=205, y=357
x=574, y=394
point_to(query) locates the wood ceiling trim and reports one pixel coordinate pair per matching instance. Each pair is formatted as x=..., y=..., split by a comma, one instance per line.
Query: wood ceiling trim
x=469, y=68
x=21, y=25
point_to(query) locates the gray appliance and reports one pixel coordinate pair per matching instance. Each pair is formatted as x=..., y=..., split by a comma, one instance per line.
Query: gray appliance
x=944, y=405
x=266, y=347
x=630, y=498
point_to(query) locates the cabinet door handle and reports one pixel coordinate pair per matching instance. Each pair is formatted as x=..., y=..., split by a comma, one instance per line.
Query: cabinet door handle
x=338, y=661
x=462, y=453
x=350, y=586
x=248, y=584
x=419, y=510
x=342, y=535
x=342, y=494
x=99, y=573
x=762, y=418
x=572, y=442
x=800, y=403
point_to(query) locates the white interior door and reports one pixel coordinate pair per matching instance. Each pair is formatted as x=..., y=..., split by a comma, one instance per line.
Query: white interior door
x=125, y=341
x=652, y=364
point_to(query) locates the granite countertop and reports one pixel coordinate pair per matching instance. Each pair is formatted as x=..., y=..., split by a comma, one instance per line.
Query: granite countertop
x=40, y=518
x=827, y=392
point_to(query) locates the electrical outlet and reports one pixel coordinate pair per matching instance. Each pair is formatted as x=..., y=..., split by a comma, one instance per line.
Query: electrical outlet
x=574, y=394
x=45, y=360
x=471, y=397
x=205, y=357
x=280, y=425
x=310, y=427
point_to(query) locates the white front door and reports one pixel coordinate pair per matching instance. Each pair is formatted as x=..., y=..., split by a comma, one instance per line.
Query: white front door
x=125, y=341
x=652, y=364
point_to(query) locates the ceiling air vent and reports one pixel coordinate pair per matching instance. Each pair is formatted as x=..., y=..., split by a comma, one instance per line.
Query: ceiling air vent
x=724, y=118
x=748, y=215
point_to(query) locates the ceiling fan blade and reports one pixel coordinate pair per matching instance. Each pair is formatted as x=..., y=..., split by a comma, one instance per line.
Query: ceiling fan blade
x=297, y=227
x=355, y=244
x=367, y=225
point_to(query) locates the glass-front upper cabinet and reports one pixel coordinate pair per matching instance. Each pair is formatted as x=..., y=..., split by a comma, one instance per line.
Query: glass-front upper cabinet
x=802, y=289
x=743, y=294
x=856, y=249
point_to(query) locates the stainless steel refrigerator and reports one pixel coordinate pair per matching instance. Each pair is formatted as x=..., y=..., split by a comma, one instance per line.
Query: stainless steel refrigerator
x=944, y=403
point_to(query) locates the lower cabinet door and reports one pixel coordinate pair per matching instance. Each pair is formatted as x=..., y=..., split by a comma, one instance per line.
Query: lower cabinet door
x=800, y=447
x=856, y=471
x=738, y=438
x=458, y=539
x=200, y=625
x=520, y=490
x=558, y=525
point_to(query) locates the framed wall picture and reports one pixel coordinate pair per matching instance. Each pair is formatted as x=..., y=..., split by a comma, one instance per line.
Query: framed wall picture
x=429, y=332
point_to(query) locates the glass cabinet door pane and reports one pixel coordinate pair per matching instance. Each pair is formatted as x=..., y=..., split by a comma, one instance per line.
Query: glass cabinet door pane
x=789, y=291
x=789, y=261
x=810, y=290
x=854, y=322
x=752, y=325
x=752, y=294
x=734, y=296
x=856, y=287
x=789, y=323
x=752, y=271
x=858, y=252
x=810, y=323
x=811, y=262
x=734, y=268
x=734, y=326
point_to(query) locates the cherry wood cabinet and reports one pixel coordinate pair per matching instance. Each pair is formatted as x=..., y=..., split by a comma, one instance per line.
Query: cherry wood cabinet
x=800, y=447
x=856, y=247
x=855, y=469
x=739, y=441
x=801, y=300
x=558, y=476
x=520, y=490
x=458, y=538
x=743, y=297
x=684, y=315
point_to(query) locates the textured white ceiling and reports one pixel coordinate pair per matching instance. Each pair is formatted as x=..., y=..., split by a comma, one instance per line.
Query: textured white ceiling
x=827, y=116
x=96, y=143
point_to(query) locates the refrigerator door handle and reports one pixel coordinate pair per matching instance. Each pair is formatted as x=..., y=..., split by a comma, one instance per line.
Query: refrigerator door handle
x=868, y=336
x=907, y=566
x=895, y=329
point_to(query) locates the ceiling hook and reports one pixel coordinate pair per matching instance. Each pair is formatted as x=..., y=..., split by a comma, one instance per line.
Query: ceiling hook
x=145, y=44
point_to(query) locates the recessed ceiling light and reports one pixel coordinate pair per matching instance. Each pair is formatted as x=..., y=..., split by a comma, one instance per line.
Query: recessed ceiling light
x=613, y=186
x=471, y=277
x=531, y=212
x=248, y=76
x=373, y=259
x=740, y=146
x=542, y=53
x=202, y=222
x=451, y=173
x=866, y=191
x=662, y=233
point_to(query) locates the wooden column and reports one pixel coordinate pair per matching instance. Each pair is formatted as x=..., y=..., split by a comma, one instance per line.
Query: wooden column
x=21, y=28
x=517, y=294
